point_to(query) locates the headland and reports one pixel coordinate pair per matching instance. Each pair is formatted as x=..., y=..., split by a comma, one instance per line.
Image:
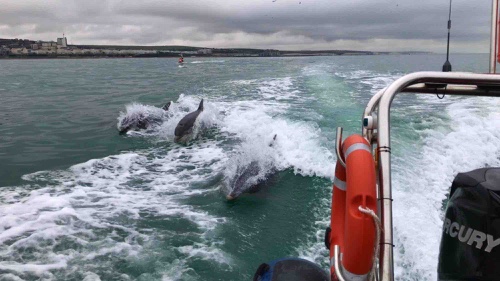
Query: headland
x=25, y=48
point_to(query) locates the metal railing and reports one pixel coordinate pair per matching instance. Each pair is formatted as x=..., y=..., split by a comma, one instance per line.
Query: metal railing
x=449, y=83
x=494, y=36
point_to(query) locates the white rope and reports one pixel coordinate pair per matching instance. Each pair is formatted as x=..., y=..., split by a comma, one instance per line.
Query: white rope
x=378, y=229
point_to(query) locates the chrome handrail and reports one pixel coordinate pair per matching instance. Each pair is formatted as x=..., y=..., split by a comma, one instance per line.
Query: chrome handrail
x=336, y=256
x=338, y=146
x=493, y=36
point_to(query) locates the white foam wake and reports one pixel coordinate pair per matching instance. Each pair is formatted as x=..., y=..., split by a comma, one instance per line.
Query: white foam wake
x=470, y=142
x=91, y=212
x=82, y=221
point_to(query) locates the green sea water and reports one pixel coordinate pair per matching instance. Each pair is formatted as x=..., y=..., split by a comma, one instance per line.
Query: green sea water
x=78, y=201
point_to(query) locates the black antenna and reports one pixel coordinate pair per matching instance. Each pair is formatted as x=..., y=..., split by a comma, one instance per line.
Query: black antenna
x=447, y=64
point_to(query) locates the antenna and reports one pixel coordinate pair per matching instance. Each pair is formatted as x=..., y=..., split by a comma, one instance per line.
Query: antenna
x=447, y=64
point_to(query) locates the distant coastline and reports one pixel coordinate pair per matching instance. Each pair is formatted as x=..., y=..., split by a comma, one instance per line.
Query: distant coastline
x=23, y=48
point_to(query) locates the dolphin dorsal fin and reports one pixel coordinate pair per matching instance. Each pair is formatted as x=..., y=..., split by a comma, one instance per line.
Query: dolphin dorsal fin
x=167, y=106
x=274, y=139
x=200, y=107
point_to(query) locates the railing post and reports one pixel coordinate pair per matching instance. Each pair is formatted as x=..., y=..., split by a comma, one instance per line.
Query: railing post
x=494, y=36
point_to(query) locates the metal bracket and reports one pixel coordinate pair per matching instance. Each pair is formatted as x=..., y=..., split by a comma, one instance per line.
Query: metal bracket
x=336, y=257
x=338, y=145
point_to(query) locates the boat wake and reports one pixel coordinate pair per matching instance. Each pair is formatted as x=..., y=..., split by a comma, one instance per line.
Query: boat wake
x=465, y=140
x=135, y=207
x=207, y=61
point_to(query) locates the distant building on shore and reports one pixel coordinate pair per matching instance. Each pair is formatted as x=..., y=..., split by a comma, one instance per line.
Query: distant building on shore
x=45, y=47
x=62, y=42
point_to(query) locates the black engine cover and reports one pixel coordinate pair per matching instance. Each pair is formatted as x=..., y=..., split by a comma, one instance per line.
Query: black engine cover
x=470, y=243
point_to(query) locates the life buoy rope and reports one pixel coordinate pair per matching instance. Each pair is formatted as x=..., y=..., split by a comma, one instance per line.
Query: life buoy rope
x=379, y=229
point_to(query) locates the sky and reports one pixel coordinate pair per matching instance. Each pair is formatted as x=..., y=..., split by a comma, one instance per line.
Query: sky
x=371, y=25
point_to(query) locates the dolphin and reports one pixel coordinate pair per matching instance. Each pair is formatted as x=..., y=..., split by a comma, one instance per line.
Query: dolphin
x=139, y=121
x=185, y=128
x=250, y=178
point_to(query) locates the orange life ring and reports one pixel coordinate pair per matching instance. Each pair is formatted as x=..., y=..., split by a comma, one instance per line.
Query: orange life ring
x=352, y=230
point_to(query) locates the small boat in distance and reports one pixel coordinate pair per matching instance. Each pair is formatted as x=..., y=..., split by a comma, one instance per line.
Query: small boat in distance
x=181, y=61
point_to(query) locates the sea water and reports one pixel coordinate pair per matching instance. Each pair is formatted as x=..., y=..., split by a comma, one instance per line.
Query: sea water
x=78, y=201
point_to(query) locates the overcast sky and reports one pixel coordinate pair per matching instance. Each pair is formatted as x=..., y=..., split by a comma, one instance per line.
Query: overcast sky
x=376, y=25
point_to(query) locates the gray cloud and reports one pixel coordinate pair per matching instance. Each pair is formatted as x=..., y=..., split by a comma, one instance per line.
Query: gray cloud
x=382, y=25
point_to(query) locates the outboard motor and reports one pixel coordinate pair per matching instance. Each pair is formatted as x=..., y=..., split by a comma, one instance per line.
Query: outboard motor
x=470, y=243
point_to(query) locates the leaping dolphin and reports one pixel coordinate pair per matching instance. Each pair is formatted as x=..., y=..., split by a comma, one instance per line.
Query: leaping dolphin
x=185, y=128
x=140, y=121
x=250, y=178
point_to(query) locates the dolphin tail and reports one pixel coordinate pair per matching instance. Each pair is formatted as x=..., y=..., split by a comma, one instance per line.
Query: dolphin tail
x=200, y=107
